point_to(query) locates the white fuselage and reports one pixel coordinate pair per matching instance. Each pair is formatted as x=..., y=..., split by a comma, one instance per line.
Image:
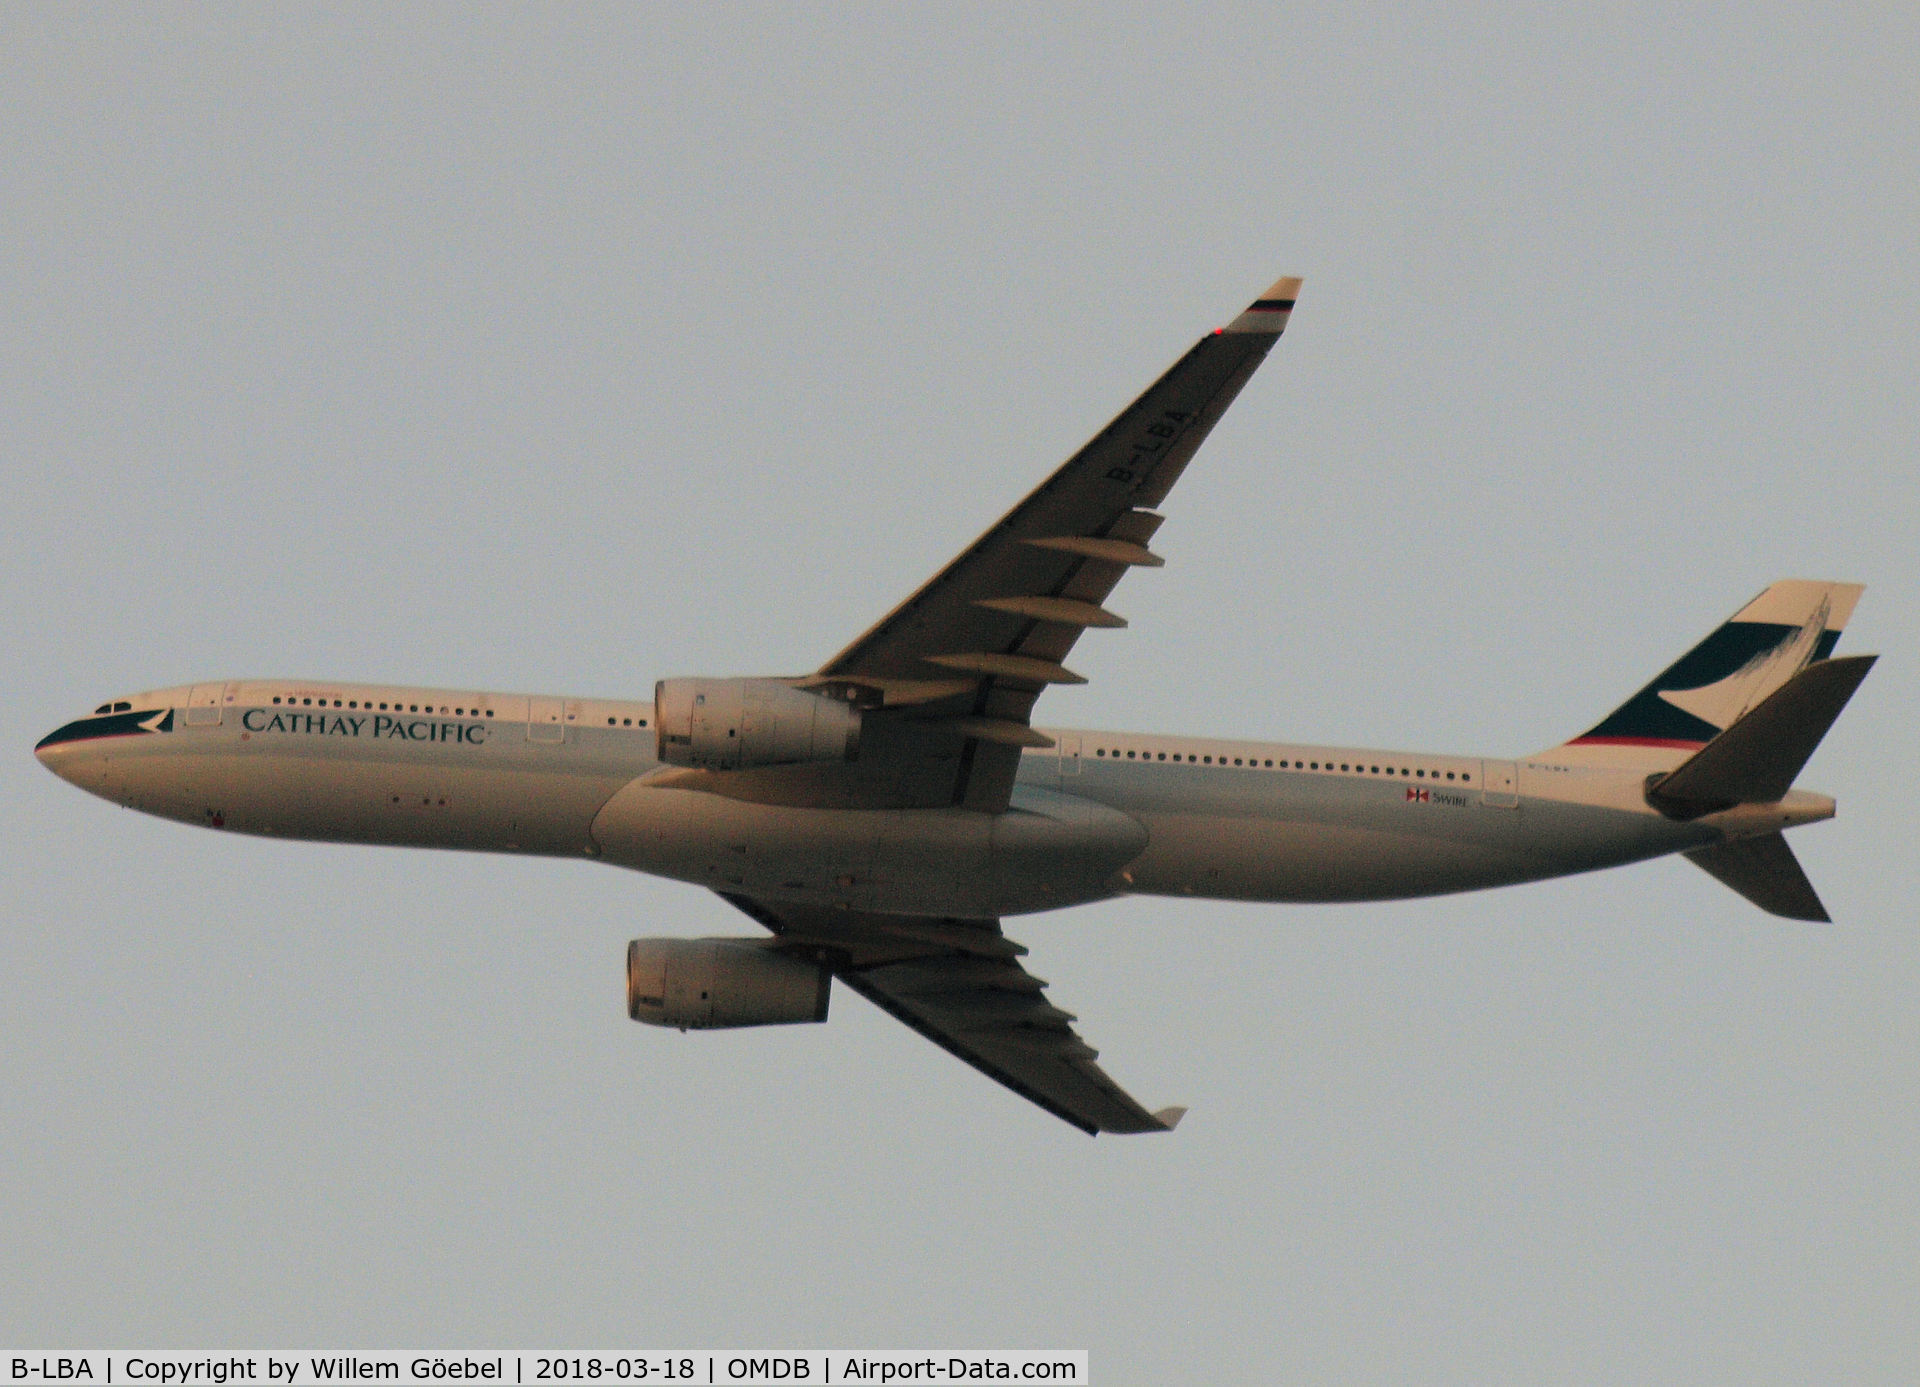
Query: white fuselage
x=1099, y=815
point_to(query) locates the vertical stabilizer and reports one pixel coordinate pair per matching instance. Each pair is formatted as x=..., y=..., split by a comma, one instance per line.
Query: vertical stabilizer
x=1793, y=624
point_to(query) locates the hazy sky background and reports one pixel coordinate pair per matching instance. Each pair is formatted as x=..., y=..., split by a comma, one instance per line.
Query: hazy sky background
x=569, y=348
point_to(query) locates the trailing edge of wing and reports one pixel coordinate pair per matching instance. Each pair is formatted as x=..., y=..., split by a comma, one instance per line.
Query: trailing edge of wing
x=1011, y=606
x=1083, y=512
x=956, y=983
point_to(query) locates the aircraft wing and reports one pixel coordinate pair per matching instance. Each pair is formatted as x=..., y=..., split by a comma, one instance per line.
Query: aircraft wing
x=963, y=659
x=948, y=679
x=960, y=984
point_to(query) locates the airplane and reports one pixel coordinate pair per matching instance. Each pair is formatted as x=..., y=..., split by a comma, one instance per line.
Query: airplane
x=883, y=815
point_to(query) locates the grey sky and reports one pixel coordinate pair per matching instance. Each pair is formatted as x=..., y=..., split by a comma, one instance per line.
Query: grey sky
x=570, y=348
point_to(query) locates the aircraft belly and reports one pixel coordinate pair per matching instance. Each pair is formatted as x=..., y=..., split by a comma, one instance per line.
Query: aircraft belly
x=1345, y=842
x=1304, y=860
x=1047, y=850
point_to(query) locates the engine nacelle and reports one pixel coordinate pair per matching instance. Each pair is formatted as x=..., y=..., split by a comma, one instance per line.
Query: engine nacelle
x=709, y=984
x=731, y=724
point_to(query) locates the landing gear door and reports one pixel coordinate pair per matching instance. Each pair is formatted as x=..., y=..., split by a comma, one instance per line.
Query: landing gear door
x=1069, y=751
x=544, y=720
x=1499, y=784
x=203, y=705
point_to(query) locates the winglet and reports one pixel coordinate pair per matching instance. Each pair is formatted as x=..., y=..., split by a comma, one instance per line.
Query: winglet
x=1268, y=313
x=1169, y=1118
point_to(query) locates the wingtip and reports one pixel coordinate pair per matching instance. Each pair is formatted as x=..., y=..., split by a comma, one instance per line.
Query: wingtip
x=1268, y=314
x=1169, y=1118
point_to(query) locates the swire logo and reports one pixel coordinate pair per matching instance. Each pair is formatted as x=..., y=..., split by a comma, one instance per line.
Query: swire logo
x=1416, y=794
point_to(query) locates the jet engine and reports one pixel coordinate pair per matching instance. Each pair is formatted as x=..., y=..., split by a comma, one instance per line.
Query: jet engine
x=732, y=724
x=709, y=984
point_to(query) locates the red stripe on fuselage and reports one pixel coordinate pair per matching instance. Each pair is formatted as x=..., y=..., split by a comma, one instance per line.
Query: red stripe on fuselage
x=1677, y=743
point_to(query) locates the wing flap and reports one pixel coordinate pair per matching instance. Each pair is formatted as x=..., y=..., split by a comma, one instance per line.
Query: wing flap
x=947, y=681
x=972, y=999
x=1096, y=507
x=1009, y=609
x=1054, y=1073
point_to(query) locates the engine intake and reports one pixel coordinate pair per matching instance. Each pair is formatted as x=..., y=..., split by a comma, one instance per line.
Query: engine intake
x=712, y=984
x=732, y=724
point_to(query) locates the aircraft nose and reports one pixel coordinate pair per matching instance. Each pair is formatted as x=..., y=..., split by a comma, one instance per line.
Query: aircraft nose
x=48, y=752
x=67, y=748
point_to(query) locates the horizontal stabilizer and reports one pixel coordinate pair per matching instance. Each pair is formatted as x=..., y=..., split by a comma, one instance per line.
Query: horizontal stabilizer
x=1766, y=872
x=1755, y=760
x=1169, y=1118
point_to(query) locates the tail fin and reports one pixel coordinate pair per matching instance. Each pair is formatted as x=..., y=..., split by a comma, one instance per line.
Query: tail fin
x=1766, y=872
x=1793, y=624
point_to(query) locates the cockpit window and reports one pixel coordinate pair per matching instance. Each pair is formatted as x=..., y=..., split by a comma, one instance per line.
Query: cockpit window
x=123, y=707
x=103, y=708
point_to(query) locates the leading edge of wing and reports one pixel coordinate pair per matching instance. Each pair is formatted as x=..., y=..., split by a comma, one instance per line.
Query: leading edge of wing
x=959, y=984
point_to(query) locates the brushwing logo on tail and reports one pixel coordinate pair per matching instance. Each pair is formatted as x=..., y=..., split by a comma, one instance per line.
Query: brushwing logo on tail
x=1724, y=703
x=1786, y=628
